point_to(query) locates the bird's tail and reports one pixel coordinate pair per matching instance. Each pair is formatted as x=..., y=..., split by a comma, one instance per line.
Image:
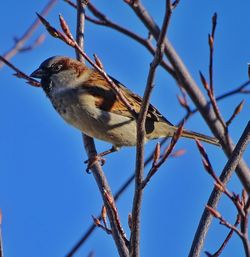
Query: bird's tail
x=164, y=129
x=201, y=137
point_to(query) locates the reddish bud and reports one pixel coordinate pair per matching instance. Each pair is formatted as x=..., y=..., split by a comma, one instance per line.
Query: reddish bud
x=215, y=213
x=219, y=186
x=210, y=41
x=104, y=213
x=203, y=81
x=98, y=62
x=178, y=153
x=96, y=221
x=65, y=27
x=130, y=220
x=157, y=153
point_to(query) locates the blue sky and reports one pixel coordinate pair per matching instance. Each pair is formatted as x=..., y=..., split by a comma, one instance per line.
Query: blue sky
x=46, y=197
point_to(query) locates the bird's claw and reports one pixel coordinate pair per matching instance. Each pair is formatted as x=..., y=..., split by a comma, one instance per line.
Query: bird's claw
x=91, y=161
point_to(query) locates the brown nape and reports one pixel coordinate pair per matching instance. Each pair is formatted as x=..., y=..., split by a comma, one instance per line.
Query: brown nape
x=72, y=64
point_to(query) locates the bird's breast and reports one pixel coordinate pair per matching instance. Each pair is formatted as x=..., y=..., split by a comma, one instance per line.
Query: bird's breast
x=80, y=110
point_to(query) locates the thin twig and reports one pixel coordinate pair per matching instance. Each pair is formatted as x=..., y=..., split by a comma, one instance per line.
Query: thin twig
x=98, y=223
x=211, y=55
x=80, y=28
x=225, y=242
x=213, y=102
x=21, y=74
x=168, y=151
x=238, y=90
x=36, y=43
x=224, y=222
x=237, y=110
x=139, y=170
x=19, y=44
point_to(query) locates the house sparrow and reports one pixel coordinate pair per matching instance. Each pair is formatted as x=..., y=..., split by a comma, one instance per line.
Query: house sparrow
x=86, y=100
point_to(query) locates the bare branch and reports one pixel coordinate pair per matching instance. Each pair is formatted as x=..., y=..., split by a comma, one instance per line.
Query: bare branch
x=139, y=170
x=211, y=55
x=98, y=223
x=167, y=153
x=105, y=190
x=36, y=43
x=213, y=102
x=21, y=74
x=217, y=215
x=225, y=242
x=116, y=228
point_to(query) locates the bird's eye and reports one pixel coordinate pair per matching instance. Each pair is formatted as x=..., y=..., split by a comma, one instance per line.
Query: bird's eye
x=56, y=67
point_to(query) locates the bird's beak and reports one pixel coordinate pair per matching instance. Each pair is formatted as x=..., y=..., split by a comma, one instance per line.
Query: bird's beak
x=39, y=73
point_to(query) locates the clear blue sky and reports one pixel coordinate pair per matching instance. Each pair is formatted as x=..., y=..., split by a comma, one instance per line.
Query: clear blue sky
x=46, y=197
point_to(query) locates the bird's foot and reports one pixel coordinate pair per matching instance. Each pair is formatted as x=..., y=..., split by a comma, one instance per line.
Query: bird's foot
x=91, y=161
x=99, y=158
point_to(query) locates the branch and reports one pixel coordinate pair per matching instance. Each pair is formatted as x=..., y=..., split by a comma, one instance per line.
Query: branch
x=21, y=74
x=80, y=25
x=19, y=44
x=157, y=163
x=116, y=229
x=105, y=189
x=214, y=198
x=139, y=170
x=228, y=237
x=238, y=90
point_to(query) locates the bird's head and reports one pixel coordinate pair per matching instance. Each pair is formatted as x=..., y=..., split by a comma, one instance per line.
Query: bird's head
x=60, y=72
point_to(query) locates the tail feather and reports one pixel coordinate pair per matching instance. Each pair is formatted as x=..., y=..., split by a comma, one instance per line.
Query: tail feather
x=204, y=138
x=163, y=129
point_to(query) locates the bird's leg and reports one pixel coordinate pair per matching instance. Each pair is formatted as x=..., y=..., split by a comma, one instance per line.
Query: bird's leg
x=111, y=150
x=99, y=157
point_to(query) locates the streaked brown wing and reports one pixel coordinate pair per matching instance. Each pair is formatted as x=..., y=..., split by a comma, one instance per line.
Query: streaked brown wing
x=136, y=101
x=107, y=100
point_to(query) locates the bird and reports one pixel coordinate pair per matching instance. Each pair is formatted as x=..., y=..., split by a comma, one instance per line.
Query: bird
x=84, y=99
